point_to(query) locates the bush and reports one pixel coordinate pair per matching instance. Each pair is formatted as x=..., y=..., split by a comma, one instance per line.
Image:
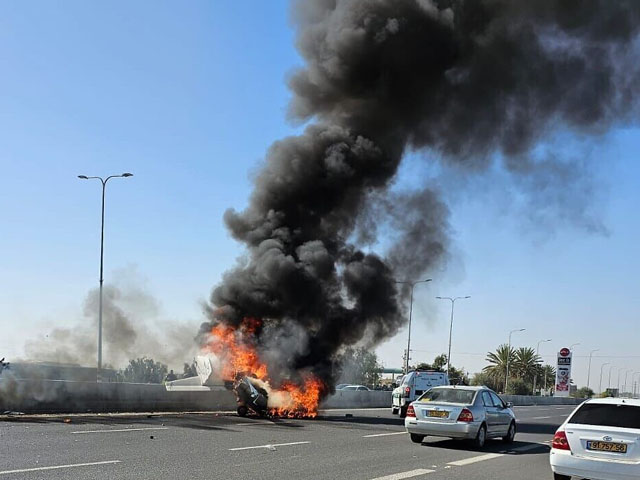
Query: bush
x=584, y=392
x=517, y=386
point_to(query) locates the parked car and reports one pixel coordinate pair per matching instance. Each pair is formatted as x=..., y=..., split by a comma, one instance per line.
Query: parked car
x=340, y=386
x=412, y=385
x=360, y=388
x=474, y=413
x=600, y=440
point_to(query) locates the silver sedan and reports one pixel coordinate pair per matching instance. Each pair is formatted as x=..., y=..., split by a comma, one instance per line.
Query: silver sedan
x=473, y=413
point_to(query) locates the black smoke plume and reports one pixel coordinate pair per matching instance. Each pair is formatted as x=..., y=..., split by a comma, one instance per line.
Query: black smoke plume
x=467, y=83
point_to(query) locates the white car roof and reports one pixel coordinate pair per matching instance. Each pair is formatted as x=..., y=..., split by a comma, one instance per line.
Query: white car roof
x=463, y=387
x=615, y=401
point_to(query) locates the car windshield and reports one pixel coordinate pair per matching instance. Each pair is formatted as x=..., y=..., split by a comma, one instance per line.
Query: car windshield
x=608, y=415
x=448, y=395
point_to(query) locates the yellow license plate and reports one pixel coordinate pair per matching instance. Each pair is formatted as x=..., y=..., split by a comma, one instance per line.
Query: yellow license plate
x=437, y=413
x=607, y=447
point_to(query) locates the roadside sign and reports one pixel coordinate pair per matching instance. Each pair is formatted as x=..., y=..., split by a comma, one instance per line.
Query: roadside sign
x=563, y=373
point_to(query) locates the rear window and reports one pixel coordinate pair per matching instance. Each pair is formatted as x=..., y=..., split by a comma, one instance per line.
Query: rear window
x=448, y=395
x=607, y=415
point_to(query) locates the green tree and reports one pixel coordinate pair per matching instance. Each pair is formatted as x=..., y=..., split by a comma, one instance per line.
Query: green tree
x=189, y=370
x=360, y=366
x=584, y=392
x=548, y=374
x=517, y=386
x=498, y=360
x=144, y=370
x=526, y=364
x=483, y=378
x=440, y=363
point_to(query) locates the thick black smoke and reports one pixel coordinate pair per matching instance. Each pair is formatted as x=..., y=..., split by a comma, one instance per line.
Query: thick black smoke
x=467, y=82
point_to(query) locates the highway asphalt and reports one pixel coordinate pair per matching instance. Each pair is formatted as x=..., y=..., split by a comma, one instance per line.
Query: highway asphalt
x=362, y=444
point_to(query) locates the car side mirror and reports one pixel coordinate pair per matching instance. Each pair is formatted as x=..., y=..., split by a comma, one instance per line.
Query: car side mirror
x=509, y=404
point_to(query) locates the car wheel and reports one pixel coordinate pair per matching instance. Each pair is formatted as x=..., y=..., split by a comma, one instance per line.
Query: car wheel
x=242, y=411
x=403, y=411
x=481, y=437
x=394, y=411
x=511, y=434
x=557, y=476
x=415, y=438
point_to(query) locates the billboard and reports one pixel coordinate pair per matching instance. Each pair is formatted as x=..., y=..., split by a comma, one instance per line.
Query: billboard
x=563, y=373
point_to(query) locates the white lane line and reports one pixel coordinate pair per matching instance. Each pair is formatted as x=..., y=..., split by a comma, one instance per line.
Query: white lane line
x=383, y=434
x=267, y=446
x=537, y=418
x=479, y=458
x=56, y=467
x=120, y=430
x=409, y=474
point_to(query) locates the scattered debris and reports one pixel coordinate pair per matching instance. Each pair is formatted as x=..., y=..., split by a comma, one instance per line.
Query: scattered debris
x=67, y=420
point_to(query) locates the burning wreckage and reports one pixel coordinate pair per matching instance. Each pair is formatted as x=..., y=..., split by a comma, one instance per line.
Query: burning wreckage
x=232, y=362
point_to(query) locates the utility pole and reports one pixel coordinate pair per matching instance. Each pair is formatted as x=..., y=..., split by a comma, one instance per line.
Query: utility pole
x=589, y=369
x=453, y=301
x=535, y=377
x=412, y=284
x=101, y=280
x=506, y=380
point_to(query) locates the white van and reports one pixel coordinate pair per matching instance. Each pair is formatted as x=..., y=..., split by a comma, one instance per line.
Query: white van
x=414, y=384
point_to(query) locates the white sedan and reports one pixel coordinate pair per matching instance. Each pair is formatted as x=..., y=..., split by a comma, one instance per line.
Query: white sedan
x=599, y=441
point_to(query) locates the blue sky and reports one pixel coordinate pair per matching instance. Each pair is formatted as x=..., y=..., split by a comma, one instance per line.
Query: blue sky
x=188, y=97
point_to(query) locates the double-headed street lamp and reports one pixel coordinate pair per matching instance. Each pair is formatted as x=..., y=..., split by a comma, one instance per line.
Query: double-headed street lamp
x=104, y=185
x=453, y=301
x=506, y=380
x=412, y=284
x=535, y=378
x=601, y=367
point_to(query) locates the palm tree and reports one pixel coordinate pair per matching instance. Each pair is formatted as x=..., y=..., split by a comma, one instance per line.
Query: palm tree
x=526, y=364
x=498, y=361
x=548, y=376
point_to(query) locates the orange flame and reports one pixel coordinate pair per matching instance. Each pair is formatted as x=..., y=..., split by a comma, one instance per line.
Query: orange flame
x=233, y=347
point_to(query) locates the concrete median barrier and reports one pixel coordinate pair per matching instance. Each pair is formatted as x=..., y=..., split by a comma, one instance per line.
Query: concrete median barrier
x=59, y=396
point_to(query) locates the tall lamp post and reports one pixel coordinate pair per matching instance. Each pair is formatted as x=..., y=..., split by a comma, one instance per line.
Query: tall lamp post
x=620, y=370
x=453, y=301
x=104, y=186
x=412, y=284
x=589, y=369
x=610, y=368
x=624, y=387
x=601, y=367
x=506, y=379
x=535, y=378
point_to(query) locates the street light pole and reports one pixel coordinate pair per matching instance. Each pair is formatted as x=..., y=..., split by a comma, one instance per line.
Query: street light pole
x=610, y=368
x=506, y=380
x=601, y=367
x=104, y=186
x=589, y=369
x=412, y=284
x=453, y=301
x=620, y=370
x=535, y=377
x=624, y=387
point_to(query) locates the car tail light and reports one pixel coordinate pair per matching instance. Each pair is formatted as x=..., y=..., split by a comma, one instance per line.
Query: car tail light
x=410, y=411
x=465, y=415
x=560, y=441
x=407, y=391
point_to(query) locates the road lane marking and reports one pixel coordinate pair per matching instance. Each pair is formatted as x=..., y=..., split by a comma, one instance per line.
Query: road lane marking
x=383, y=434
x=120, y=430
x=56, y=467
x=270, y=446
x=409, y=474
x=479, y=458
x=537, y=418
x=491, y=456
